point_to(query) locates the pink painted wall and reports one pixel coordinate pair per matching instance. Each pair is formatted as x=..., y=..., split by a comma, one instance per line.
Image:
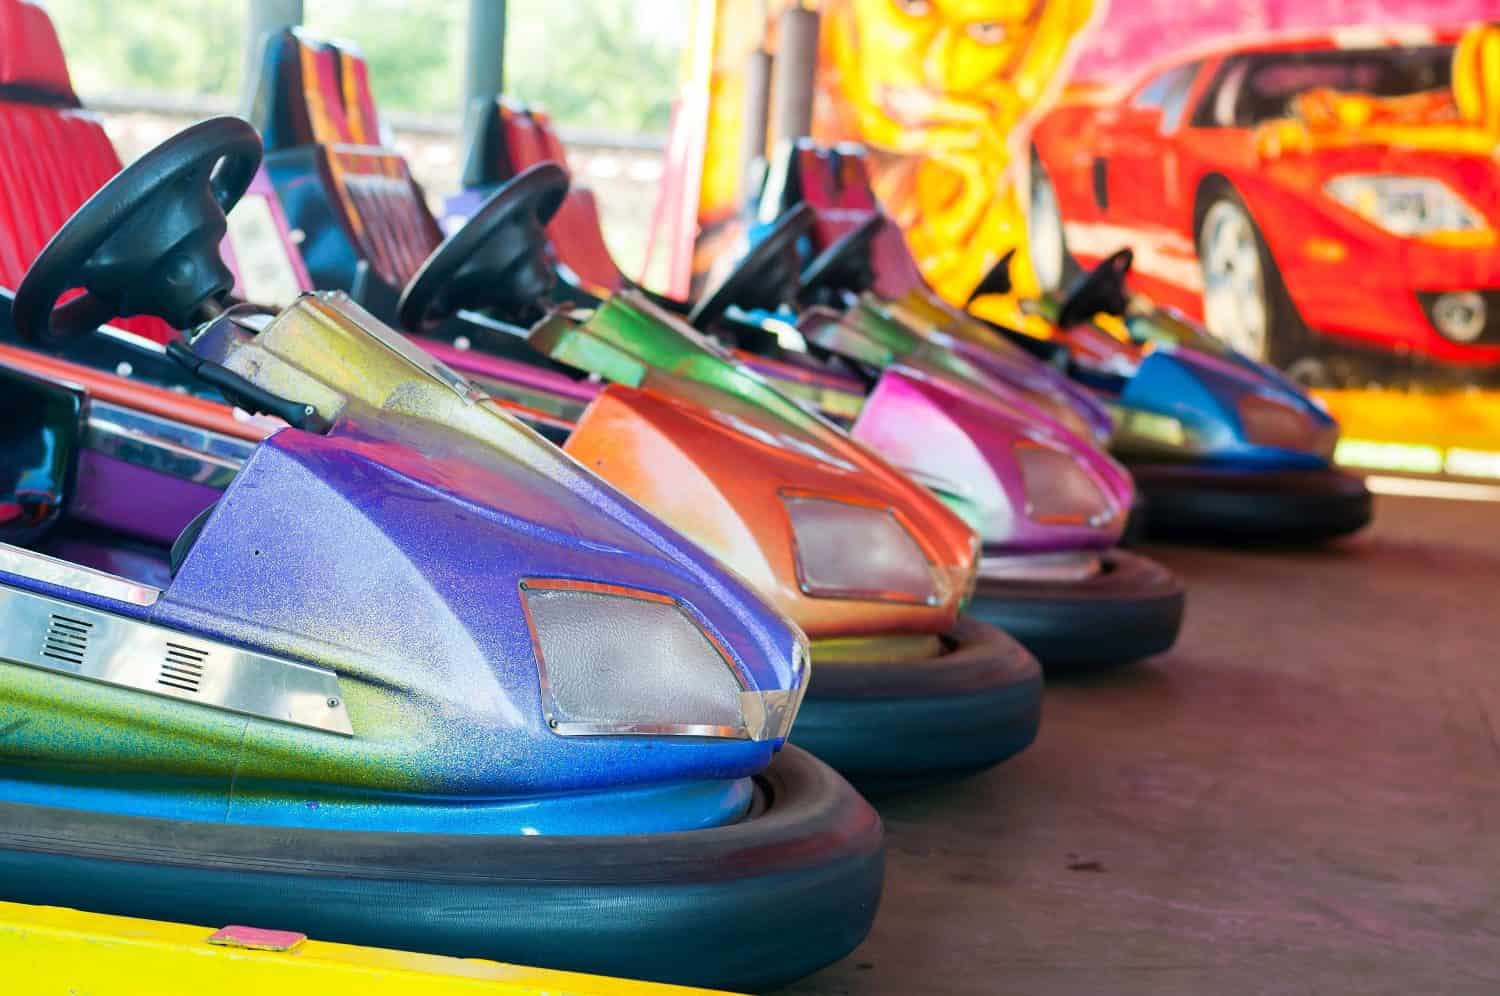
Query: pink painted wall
x=1134, y=33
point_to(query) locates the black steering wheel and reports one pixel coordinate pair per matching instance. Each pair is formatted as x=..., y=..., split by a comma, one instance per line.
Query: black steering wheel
x=767, y=277
x=498, y=260
x=1102, y=289
x=847, y=264
x=147, y=243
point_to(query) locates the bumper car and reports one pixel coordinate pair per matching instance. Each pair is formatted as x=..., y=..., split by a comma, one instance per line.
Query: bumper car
x=1219, y=445
x=1223, y=446
x=872, y=568
x=1049, y=575
x=52, y=950
x=414, y=679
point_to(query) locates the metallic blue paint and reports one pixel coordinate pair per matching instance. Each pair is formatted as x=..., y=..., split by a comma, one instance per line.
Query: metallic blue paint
x=1204, y=391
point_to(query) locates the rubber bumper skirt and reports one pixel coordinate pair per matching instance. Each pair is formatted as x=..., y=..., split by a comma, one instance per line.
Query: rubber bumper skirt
x=749, y=906
x=1131, y=609
x=896, y=724
x=1231, y=505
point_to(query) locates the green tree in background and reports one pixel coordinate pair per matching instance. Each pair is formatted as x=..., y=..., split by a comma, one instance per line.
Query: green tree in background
x=605, y=64
x=183, y=47
x=610, y=65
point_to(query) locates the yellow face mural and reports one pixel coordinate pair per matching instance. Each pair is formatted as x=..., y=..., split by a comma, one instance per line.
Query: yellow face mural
x=937, y=89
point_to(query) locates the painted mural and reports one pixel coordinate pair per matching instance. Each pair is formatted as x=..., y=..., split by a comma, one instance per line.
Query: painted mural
x=1317, y=184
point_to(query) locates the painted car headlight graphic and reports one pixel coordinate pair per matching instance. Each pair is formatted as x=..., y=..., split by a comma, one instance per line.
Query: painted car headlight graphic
x=854, y=551
x=1269, y=422
x=1410, y=206
x=615, y=660
x=1462, y=316
x=1058, y=490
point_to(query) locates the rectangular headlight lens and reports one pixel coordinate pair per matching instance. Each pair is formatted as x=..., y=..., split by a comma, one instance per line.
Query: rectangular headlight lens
x=1058, y=490
x=621, y=661
x=1268, y=422
x=858, y=551
x=1412, y=206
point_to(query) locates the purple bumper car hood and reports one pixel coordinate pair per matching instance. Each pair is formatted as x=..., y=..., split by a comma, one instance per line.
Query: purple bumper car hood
x=426, y=520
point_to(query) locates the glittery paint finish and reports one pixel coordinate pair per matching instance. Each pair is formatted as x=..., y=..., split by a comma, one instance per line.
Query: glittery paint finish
x=391, y=550
x=716, y=468
x=446, y=688
x=1203, y=392
x=955, y=428
x=710, y=446
x=1015, y=384
x=962, y=442
x=947, y=327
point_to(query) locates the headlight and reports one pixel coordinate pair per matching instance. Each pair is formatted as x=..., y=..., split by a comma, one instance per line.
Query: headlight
x=1462, y=316
x=615, y=660
x=1058, y=490
x=1268, y=422
x=858, y=551
x=1405, y=205
x=1140, y=433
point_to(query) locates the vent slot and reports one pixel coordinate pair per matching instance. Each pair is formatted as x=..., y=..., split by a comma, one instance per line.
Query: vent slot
x=182, y=668
x=67, y=639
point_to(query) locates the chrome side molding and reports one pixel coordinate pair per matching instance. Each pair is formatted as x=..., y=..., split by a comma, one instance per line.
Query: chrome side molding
x=167, y=447
x=64, y=638
x=49, y=570
x=1057, y=567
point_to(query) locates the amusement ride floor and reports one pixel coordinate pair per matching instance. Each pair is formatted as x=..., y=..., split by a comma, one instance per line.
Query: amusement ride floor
x=1303, y=797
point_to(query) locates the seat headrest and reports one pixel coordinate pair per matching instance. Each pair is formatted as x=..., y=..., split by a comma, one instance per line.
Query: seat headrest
x=313, y=92
x=510, y=138
x=834, y=177
x=31, y=57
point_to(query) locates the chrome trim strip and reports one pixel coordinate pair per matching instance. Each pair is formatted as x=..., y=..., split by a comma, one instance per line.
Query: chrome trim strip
x=131, y=339
x=50, y=570
x=65, y=638
x=1070, y=565
x=163, y=445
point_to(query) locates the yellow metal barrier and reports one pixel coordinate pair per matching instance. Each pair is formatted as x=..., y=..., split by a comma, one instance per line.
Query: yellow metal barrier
x=49, y=951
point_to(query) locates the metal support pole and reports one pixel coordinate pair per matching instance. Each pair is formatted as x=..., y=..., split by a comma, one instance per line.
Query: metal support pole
x=757, y=113
x=484, y=57
x=262, y=17
x=796, y=73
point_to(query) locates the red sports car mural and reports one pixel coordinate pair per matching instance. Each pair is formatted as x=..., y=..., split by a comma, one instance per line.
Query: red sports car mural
x=1295, y=193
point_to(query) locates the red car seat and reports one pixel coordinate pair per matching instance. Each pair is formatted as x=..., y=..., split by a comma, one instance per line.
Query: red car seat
x=836, y=185
x=53, y=154
x=366, y=224
x=511, y=138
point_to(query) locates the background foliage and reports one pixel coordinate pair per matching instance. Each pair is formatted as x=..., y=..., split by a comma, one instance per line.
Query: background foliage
x=610, y=65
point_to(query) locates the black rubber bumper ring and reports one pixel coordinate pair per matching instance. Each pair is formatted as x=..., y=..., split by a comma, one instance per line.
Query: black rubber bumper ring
x=890, y=725
x=1239, y=506
x=749, y=906
x=1130, y=610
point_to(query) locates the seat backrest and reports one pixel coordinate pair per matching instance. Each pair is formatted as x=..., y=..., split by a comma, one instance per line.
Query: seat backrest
x=510, y=138
x=835, y=183
x=352, y=197
x=53, y=154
